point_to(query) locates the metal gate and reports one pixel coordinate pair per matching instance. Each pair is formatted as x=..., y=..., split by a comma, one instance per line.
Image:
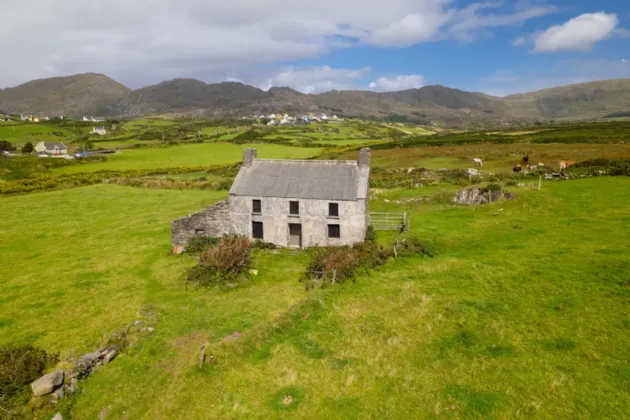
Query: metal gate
x=389, y=221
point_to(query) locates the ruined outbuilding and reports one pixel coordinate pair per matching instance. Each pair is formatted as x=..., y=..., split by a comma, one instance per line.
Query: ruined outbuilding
x=290, y=203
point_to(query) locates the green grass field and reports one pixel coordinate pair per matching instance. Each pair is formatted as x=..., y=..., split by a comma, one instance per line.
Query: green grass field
x=34, y=132
x=189, y=155
x=523, y=313
x=496, y=157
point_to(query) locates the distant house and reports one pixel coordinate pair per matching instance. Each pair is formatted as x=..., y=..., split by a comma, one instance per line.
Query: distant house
x=85, y=118
x=99, y=130
x=35, y=119
x=98, y=119
x=54, y=148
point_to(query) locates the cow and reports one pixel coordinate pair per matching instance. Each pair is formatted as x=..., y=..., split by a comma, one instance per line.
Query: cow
x=478, y=161
x=517, y=169
x=564, y=164
x=526, y=159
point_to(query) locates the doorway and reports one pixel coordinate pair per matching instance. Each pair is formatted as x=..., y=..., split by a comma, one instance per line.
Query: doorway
x=295, y=235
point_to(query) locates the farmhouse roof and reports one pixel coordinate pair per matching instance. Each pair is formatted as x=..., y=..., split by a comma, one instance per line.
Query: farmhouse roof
x=305, y=179
x=52, y=144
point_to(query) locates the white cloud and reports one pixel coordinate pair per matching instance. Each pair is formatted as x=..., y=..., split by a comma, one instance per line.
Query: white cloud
x=312, y=79
x=142, y=42
x=469, y=20
x=622, y=33
x=402, y=82
x=521, y=40
x=578, y=34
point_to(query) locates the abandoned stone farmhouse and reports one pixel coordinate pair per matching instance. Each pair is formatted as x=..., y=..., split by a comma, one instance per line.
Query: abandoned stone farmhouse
x=290, y=203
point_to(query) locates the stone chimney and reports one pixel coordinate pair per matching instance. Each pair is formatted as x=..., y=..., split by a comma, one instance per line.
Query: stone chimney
x=248, y=157
x=364, y=157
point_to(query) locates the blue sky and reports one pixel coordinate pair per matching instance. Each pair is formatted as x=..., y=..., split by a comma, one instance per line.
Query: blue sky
x=497, y=47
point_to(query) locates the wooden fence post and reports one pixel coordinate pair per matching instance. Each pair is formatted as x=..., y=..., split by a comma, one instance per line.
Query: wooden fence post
x=539, y=182
x=202, y=355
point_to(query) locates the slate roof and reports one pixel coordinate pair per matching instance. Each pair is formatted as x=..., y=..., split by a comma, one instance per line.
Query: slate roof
x=306, y=179
x=49, y=145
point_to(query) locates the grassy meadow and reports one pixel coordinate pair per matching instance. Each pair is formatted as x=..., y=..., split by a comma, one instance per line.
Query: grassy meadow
x=495, y=157
x=524, y=312
x=204, y=154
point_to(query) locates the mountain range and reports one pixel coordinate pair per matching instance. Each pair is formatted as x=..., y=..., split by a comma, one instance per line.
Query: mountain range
x=97, y=94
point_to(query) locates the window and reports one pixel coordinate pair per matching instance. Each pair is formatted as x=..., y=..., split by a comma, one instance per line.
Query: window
x=333, y=209
x=294, y=207
x=334, y=231
x=256, y=206
x=257, y=230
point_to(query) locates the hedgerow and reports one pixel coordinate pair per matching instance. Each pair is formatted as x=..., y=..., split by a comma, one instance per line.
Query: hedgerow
x=46, y=181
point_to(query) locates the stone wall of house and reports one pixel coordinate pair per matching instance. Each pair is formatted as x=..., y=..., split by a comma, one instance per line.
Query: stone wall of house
x=313, y=217
x=213, y=221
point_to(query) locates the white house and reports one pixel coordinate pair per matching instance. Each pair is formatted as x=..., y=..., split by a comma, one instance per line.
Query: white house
x=54, y=148
x=99, y=130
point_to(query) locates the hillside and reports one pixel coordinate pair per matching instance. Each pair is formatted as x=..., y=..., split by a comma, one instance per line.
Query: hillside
x=71, y=95
x=100, y=95
x=187, y=96
x=584, y=100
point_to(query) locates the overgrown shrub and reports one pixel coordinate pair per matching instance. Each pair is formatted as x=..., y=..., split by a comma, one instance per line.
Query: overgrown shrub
x=412, y=246
x=258, y=244
x=493, y=187
x=614, y=167
x=19, y=366
x=199, y=244
x=370, y=234
x=223, y=262
x=341, y=263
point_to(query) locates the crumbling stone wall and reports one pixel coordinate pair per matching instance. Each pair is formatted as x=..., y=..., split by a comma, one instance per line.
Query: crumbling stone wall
x=213, y=221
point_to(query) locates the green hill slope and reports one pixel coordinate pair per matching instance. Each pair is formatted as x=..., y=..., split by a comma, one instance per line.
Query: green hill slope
x=584, y=100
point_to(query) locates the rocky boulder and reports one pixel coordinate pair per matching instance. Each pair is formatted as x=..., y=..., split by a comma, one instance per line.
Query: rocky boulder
x=47, y=383
x=88, y=360
x=476, y=195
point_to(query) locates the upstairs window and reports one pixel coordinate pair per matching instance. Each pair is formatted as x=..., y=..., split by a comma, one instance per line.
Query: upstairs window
x=256, y=206
x=294, y=207
x=334, y=231
x=333, y=209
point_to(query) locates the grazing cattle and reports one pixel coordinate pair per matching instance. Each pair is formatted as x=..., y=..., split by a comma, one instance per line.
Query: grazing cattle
x=540, y=164
x=564, y=164
x=517, y=169
x=526, y=159
x=478, y=161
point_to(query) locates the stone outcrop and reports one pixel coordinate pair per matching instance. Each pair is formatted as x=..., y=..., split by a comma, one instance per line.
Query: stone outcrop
x=213, y=221
x=476, y=195
x=47, y=383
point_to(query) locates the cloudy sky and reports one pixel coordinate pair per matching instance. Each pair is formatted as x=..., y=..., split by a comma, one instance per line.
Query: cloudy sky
x=498, y=47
